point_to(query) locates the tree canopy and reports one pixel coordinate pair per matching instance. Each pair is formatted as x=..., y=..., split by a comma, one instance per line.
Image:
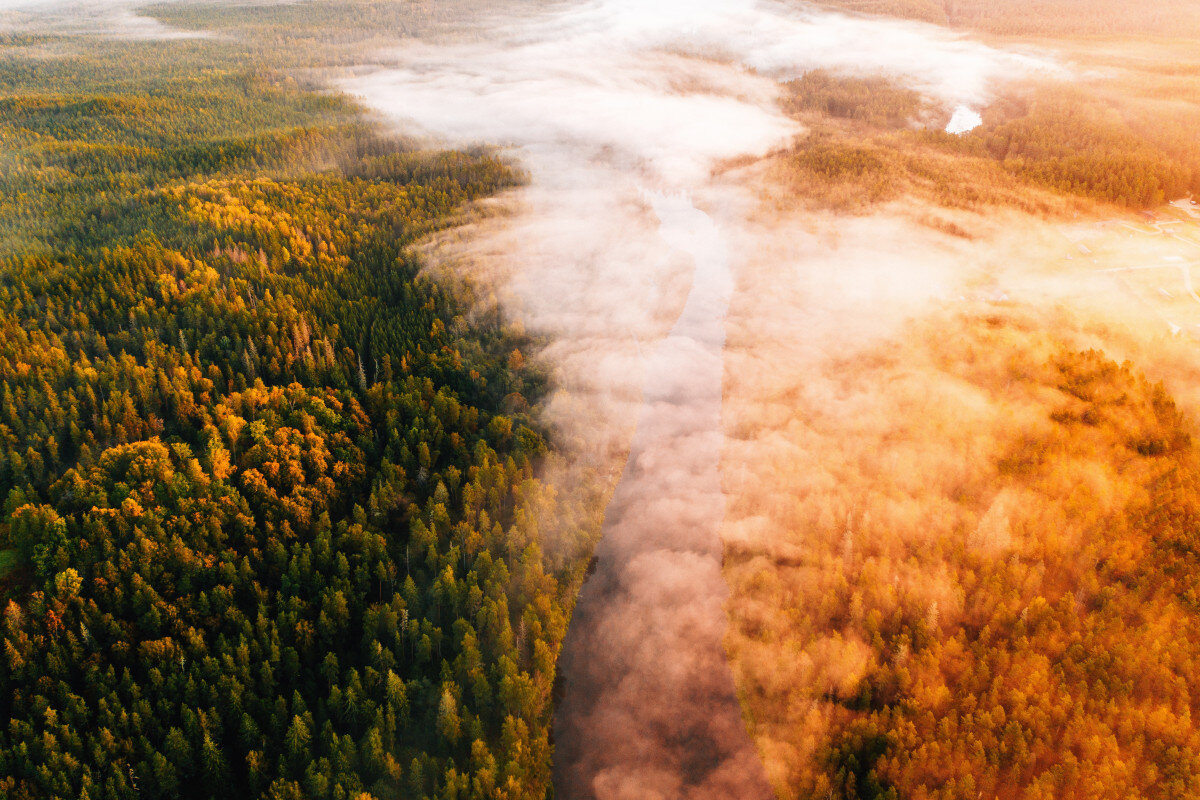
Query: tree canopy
x=271, y=491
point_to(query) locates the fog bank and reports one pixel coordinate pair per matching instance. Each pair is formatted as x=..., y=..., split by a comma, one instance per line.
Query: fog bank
x=619, y=250
x=113, y=18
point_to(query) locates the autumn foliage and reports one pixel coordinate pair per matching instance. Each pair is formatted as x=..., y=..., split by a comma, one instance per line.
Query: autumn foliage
x=990, y=591
x=272, y=493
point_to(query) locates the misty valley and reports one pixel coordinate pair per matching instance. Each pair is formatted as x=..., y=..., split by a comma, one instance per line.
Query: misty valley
x=600, y=400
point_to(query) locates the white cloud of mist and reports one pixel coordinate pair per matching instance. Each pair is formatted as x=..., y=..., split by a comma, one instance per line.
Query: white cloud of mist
x=110, y=18
x=964, y=119
x=780, y=38
x=118, y=18
x=626, y=252
x=670, y=85
x=620, y=110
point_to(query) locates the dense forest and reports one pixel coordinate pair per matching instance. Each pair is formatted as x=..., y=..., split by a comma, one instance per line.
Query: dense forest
x=1063, y=140
x=963, y=557
x=975, y=575
x=273, y=521
x=1041, y=149
x=1119, y=129
x=276, y=516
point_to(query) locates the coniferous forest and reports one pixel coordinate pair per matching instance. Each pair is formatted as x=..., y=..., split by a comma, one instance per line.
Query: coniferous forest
x=271, y=496
x=297, y=506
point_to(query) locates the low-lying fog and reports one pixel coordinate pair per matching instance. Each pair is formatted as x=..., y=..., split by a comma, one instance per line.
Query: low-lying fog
x=118, y=18
x=625, y=251
x=625, y=248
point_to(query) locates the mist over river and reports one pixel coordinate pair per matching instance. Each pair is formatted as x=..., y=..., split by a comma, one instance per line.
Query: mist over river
x=600, y=399
x=619, y=111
